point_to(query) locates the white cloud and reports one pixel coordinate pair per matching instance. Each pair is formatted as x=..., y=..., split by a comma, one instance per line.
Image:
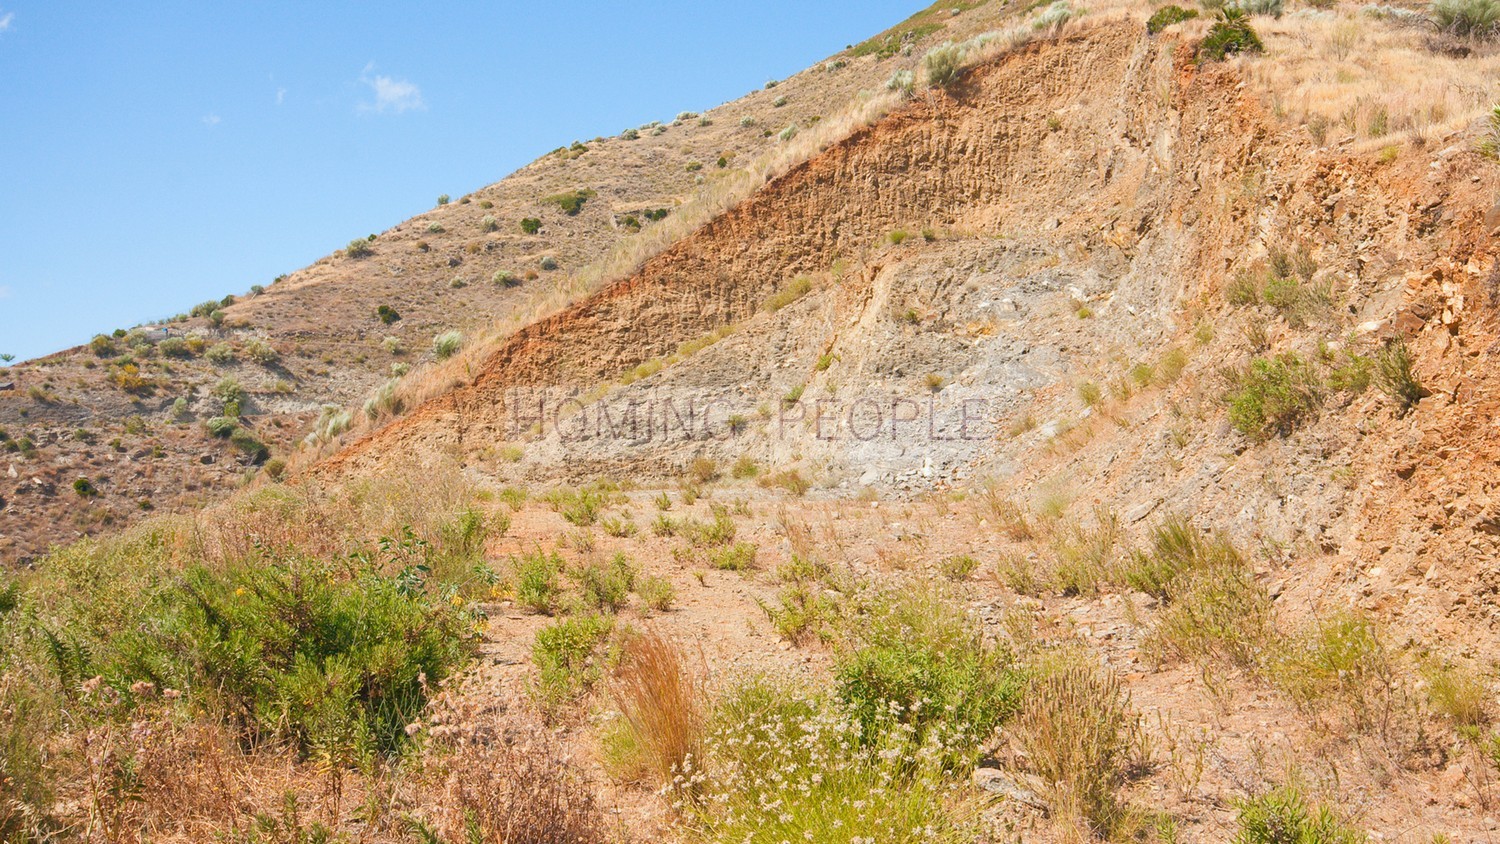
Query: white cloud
x=6, y=20
x=211, y=120
x=391, y=95
x=280, y=96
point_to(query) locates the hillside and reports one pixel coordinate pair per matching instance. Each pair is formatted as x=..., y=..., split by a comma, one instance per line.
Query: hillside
x=312, y=339
x=1070, y=434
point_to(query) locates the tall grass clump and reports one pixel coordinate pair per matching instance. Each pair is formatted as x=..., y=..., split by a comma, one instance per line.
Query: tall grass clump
x=941, y=65
x=1338, y=665
x=447, y=344
x=1176, y=548
x=1080, y=736
x=510, y=783
x=663, y=708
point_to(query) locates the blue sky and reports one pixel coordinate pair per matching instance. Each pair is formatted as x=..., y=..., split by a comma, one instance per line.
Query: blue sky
x=153, y=155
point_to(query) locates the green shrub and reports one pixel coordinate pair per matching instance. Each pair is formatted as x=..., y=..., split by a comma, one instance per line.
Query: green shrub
x=447, y=344
x=606, y=587
x=1273, y=396
x=1270, y=8
x=505, y=278
x=222, y=426
x=917, y=656
x=104, y=346
x=1395, y=373
x=1283, y=816
x=531, y=225
x=220, y=354
x=245, y=442
x=358, y=248
x=657, y=593
x=1230, y=34
x=261, y=352
x=569, y=203
x=85, y=488
x=566, y=655
x=737, y=557
x=387, y=315
x=1478, y=20
x=1167, y=16
x=174, y=347
x=536, y=583
x=338, y=660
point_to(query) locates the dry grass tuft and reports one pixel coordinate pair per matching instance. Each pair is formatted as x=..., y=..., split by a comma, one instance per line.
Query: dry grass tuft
x=663, y=708
x=1079, y=734
x=510, y=783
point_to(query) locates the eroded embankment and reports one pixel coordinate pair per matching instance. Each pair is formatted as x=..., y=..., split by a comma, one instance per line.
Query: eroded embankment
x=980, y=158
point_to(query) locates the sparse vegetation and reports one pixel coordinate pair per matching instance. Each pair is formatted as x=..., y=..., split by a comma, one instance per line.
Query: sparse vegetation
x=359, y=248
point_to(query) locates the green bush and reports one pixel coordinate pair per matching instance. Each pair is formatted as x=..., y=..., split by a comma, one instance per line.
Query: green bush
x=85, y=488
x=569, y=203
x=1167, y=16
x=246, y=443
x=531, y=225
x=1273, y=396
x=222, y=426
x=566, y=655
x=220, y=353
x=261, y=352
x=174, y=347
x=1283, y=816
x=1474, y=19
x=358, y=248
x=917, y=654
x=536, y=583
x=1230, y=34
x=337, y=660
x=606, y=587
x=104, y=346
x=387, y=314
